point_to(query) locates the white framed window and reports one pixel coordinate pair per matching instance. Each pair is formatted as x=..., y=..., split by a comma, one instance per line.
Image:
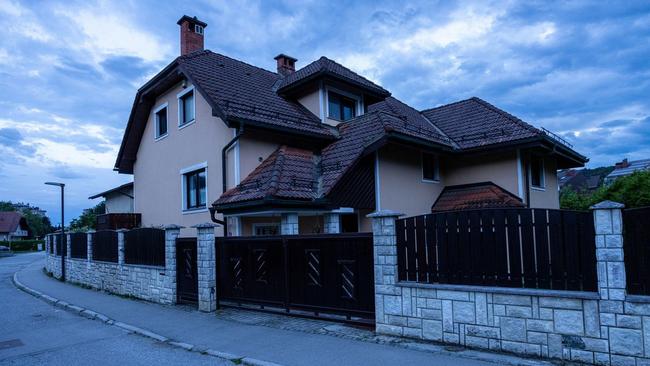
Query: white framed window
x=160, y=118
x=430, y=167
x=186, y=107
x=198, y=29
x=340, y=105
x=194, y=188
x=266, y=229
x=536, y=173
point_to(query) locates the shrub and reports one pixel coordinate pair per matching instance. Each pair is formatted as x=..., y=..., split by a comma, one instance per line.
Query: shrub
x=23, y=245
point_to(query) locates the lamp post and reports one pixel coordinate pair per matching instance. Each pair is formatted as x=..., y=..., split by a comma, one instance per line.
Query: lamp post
x=63, y=252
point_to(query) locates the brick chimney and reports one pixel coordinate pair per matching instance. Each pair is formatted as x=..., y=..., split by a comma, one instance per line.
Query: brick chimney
x=286, y=64
x=622, y=164
x=191, y=34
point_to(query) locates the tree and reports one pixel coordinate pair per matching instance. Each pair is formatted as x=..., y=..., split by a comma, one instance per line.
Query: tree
x=6, y=206
x=632, y=191
x=88, y=219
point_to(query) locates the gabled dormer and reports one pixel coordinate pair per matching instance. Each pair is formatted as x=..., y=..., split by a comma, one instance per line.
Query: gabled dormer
x=328, y=89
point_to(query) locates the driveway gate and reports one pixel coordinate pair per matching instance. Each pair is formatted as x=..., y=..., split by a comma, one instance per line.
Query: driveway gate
x=187, y=280
x=300, y=274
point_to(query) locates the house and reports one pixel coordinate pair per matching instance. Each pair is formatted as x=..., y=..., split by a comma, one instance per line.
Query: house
x=118, y=208
x=626, y=167
x=315, y=149
x=13, y=226
x=583, y=180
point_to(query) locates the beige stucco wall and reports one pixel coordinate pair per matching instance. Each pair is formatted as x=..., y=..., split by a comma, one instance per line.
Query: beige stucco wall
x=500, y=169
x=156, y=173
x=311, y=101
x=119, y=203
x=549, y=197
x=251, y=150
x=401, y=186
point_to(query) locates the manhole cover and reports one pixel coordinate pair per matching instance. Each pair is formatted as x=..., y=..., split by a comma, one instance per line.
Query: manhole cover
x=12, y=343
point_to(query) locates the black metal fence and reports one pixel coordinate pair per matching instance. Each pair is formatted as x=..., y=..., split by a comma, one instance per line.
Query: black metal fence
x=79, y=245
x=636, y=245
x=145, y=246
x=529, y=248
x=317, y=273
x=105, y=246
x=61, y=244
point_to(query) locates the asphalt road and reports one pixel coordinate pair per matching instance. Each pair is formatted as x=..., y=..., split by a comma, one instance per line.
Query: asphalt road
x=33, y=332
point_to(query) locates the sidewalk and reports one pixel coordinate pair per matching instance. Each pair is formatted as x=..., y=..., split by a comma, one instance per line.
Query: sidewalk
x=253, y=336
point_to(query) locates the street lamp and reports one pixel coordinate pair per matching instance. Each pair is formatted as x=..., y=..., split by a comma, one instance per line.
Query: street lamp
x=62, y=228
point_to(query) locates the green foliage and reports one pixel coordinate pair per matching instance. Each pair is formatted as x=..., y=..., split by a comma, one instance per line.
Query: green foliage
x=23, y=245
x=88, y=219
x=632, y=190
x=6, y=206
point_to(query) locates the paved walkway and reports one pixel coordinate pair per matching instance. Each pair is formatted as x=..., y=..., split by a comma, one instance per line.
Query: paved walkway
x=273, y=338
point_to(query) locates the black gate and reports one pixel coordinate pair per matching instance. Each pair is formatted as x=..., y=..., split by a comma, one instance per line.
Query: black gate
x=186, y=272
x=304, y=274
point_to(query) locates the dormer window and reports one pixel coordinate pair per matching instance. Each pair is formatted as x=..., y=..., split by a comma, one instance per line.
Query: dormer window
x=340, y=107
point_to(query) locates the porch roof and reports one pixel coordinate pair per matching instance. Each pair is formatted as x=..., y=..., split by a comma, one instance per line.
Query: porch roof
x=475, y=196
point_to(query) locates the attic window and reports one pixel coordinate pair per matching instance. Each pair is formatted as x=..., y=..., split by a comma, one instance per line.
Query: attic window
x=537, y=172
x=341, y=108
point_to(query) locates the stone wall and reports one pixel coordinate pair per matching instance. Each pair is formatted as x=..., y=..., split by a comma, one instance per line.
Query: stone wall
x=607, y=327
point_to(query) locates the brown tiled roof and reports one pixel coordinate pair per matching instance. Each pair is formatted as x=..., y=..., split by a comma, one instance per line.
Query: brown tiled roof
x=288, y=173
x=325, y=66
x=475, y=196
x=474, y=123
x=10, y=221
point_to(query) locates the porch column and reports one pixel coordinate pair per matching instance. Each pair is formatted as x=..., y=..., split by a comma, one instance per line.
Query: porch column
x=388, y=297
x=609, y=250
x=332, y=223
x=120, y=246
x=171, y=233
x=206, y=266
x=289, y=224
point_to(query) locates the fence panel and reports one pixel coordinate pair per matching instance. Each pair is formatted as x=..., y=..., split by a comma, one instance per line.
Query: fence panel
x=105, y=246
x=636, y=243
x=79, y=245
x=145, y=246
x=528, y=248
x=61, y=244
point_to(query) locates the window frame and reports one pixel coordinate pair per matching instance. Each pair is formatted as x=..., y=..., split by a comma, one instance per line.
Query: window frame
x=262, y=224
x=157, y=136
x=184, y=173
x=542, y=177
x=353, y=97
x=180, y=97
x=198, y=29
x=436, y=170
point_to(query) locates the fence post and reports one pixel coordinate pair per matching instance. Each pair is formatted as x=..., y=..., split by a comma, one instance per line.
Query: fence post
x=206, y=266
x=68, y=247
x=388, y=297
x=171, y=233
x=120, y=246
x=608, y=225
x=90, y=234
x=289, y=224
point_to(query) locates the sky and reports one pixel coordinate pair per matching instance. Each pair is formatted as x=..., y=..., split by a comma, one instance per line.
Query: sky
x=69, y=70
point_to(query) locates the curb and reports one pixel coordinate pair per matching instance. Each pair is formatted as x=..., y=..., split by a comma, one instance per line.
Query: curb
x=93, y=315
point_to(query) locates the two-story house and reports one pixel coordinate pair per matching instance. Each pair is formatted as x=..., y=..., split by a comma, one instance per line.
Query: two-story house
x=318, y=148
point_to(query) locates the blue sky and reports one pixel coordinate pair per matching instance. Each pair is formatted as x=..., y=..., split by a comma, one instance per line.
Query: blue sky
x=69, y=70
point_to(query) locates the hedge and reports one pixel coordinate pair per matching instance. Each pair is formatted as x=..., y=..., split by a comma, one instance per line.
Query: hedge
x=23, y=245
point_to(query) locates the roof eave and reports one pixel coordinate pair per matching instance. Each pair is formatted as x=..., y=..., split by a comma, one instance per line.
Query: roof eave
x=376, y=92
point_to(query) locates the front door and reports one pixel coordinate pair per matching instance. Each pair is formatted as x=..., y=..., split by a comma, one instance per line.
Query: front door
x=187, y=283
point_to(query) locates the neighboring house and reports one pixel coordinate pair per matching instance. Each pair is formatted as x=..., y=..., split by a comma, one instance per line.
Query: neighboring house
x=626, y=167
x=118, y=199
x=118, y=208
x=319, y=147
x=13, y=226
x=583, y=180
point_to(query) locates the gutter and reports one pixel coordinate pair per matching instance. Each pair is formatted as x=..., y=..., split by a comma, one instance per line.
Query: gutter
x=224, y=172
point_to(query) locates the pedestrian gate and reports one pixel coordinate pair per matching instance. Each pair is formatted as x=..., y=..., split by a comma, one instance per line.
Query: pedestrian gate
x=186, y=271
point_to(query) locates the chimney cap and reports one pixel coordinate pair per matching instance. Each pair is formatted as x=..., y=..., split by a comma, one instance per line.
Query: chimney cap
x=193, y=20
x=282, y=55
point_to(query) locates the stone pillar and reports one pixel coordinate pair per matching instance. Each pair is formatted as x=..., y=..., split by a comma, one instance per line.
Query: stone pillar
x=169, y=294
x=120, y=246
x=609, y=250
x=289, y=224
x=332, y=223
x=206, y=266
x=89, y=244
x=47, y=244
x=68, y=246
x=388, y=297
x=56, y=238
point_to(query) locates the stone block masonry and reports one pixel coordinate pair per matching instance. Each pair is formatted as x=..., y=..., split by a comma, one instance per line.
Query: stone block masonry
x=151, y=283
x=602, y=328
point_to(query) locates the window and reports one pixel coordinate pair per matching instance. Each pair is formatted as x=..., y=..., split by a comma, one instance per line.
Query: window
x=195, y=189
x=537, y=172
x=266, y=229
x=430, y=170
x=341, y=108
x=186, y=108
x=349, y=223
x=198, y=29
x=161, y=121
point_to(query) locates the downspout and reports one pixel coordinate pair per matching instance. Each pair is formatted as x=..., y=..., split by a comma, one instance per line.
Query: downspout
x=224, y=172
